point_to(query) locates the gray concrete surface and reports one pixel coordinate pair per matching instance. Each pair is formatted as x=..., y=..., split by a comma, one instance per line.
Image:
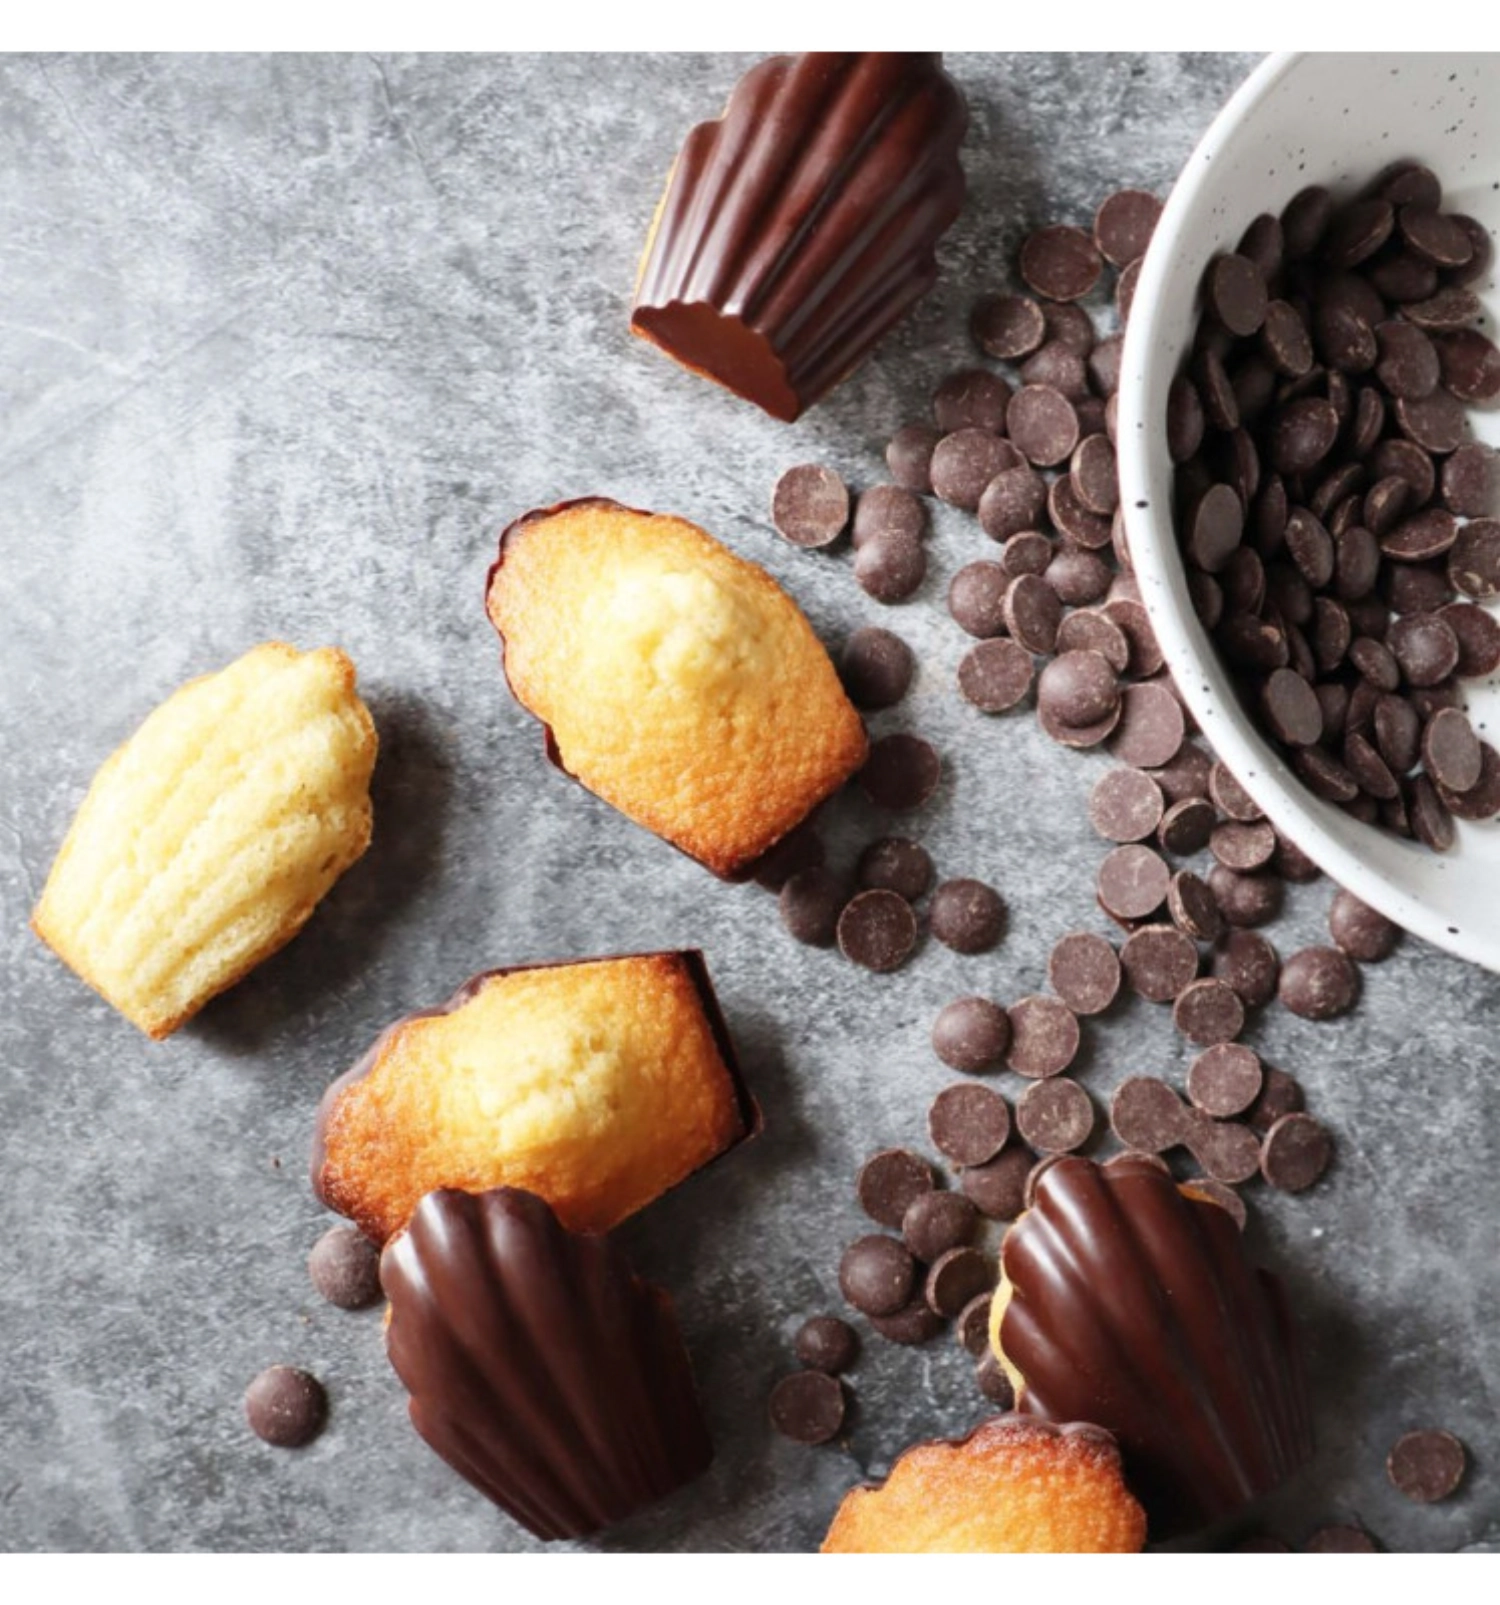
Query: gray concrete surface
x=283, y=343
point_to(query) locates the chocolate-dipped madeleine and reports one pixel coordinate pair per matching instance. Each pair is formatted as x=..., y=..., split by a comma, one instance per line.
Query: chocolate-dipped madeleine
x=1126, y=1301
x=801, y=226
x=674, y=679
x=598, y=1085
x=540, y=1367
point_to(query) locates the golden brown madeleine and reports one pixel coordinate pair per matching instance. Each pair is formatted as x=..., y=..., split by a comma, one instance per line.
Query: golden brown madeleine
x=800, y=227
x=596, y=1085
x=677, y=681
x=207, y=840
x=540, y=1367
x=1131, y=1302
x=1013, y=1486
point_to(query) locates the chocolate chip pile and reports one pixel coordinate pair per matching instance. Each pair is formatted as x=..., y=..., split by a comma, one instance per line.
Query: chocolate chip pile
x=1336, y=520
x=1035, y=462
x=1057, y=618
x=872, y=913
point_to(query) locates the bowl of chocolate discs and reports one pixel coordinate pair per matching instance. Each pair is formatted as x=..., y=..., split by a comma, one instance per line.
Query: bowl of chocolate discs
x=1308, y=421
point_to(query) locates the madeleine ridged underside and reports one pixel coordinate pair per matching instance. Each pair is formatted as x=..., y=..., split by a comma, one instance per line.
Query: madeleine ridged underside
x=206, y=841
x=540, y=1367
x=1129, y=1304
x=802, y=225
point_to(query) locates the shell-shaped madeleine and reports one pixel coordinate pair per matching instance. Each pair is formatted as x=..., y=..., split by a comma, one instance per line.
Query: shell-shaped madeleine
x=1013, y=1486
x=802, y=225
x=597, y=1085
x=206, y=841
x=540, y=1367
x=676, y=680
x=1127, y=1302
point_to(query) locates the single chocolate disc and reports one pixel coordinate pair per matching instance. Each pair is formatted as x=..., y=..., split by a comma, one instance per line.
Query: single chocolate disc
x=976, y=398
x=1147, y=1115
x=976, y=598
x=1208, y=1012
x=825, y=1343
x=938, y=1222
x=1248, y=962
x=808, y=1406
x=876, y=1275
x=889, y=1181
x=1319, y=983
x=890, y=569
x=1359, y=930
x=969, y=1124
x=995, y=675
x=1126, y=805
x=1044, y=1037
x=345, y=1268
x=971, y=1034
x=1055, y=1116
x=1295, y=1153
x=1084, y=970
x=1224, y=1080
x=878, y=930
x=1192, y=907
x=286, y=1407
x=876, y=668
x=1133, y=882
x=810, y=505
x=967, y=916
x=1159, y=962
x=1426, y=1466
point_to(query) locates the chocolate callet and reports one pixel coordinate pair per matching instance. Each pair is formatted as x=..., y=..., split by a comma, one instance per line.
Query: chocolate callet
x=808, y=1406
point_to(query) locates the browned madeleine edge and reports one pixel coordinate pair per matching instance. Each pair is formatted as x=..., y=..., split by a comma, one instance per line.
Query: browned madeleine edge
x=752, y=1120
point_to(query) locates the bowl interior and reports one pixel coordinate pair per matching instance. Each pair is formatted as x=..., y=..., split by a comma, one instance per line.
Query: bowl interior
x=1299, y=120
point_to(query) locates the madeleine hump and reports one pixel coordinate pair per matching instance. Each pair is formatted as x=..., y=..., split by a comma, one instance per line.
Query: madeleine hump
x=598, y=1085
x=801, y=226
x=674, y=679
x=540, y=1367
x=1129, y=1301
x=1012, y=1486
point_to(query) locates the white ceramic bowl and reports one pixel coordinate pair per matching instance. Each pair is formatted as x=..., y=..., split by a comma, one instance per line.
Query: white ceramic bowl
x=1299, y=120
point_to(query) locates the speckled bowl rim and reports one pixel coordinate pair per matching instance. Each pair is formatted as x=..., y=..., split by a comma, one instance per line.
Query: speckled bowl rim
x=1145, y=493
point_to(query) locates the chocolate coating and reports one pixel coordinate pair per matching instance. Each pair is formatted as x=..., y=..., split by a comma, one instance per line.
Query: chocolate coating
x=1135, y=1307
x=800, y=227
x=540, y=1367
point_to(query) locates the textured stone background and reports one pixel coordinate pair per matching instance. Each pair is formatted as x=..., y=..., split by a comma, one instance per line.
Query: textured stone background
x=283, y=342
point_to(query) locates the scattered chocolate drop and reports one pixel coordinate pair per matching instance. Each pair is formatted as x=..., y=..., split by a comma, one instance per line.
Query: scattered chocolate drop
x=345, y=1268
x=286, y=1407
